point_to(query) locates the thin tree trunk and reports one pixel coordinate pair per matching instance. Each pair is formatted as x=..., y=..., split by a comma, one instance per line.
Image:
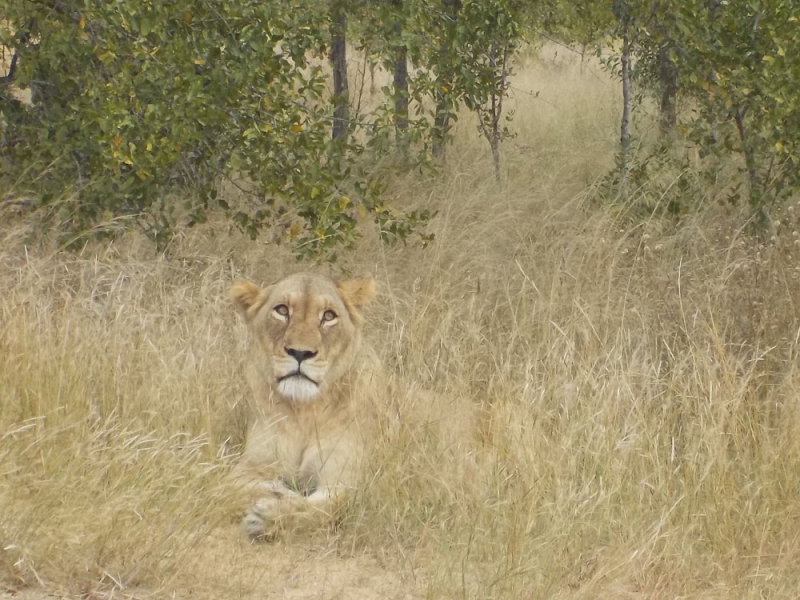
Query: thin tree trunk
x=584, y=47
x=401, y=89
x=444, y=83
x=497, y=111
x=495, y=144
x=489, y=118
x=441, y=122
x=625, y=137
x=749, y=159
x=23, y=36
x=400, y=79
x=668, y=78
x=338, y=57
x=11, y=72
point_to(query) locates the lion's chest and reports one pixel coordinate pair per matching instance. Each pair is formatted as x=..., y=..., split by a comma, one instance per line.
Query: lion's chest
x=294, y=446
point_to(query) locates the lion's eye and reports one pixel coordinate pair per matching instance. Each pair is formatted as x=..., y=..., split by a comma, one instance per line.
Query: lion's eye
x=328, y=316
x=282, y=310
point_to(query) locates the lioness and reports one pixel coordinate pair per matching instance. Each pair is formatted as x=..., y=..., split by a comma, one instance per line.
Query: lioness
x=313, y=383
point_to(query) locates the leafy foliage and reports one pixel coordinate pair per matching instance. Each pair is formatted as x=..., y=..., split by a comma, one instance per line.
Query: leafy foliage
x=745, y=78
x=732, y=64
x=496, y=34
x=135, y=104
x=462, y=50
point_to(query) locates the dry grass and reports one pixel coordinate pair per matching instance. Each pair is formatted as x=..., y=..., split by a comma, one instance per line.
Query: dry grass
x=636, y=383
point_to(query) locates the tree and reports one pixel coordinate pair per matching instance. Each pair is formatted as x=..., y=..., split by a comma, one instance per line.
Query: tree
x=733, y=64
x=625, y=28
x=138, y=104
x=400, y=72
x=494, y=27
x=668, y=84
x=737, y=63
x=446, y=23
x=338, y=56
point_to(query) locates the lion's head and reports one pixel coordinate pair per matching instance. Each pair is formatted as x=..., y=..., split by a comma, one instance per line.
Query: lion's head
x=308, y=327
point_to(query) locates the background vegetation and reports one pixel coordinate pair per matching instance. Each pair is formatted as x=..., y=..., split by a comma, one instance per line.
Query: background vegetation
x=623, y=326
x=139, y=114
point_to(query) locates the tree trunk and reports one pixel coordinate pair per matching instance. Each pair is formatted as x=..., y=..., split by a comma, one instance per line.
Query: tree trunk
x=749, y=158
x=489, y=118
x=625, y=136
x=444, y=81
x=441, y=122
x=668, y=78
x=338, y=57
x=497, y=110
x=401, y=91
x=400, y=78
x=495, y=144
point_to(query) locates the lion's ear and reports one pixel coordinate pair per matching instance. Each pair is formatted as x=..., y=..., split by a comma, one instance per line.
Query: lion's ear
x=357, y=292
x=245, y=295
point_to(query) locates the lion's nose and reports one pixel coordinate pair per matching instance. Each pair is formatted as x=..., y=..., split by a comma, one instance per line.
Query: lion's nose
x=300, y=355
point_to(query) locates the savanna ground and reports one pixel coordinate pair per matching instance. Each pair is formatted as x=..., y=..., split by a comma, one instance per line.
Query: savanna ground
x=634, y=378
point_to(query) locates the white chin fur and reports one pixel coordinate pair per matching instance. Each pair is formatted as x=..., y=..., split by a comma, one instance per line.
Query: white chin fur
x=298, y=389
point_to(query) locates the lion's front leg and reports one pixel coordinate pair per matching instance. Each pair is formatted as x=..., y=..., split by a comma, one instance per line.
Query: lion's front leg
x=282, y=508
x=327, y=470
x=262, y=520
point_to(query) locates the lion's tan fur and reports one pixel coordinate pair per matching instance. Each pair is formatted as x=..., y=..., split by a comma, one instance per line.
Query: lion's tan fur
x=302, y=452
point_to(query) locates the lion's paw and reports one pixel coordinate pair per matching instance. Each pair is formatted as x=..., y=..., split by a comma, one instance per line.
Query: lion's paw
x=260, y=521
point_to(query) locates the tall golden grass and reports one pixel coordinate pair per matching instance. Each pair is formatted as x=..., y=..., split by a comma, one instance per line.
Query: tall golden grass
x=635, y=380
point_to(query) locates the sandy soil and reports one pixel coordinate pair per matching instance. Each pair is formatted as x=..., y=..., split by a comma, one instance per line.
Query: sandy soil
x=294, y=570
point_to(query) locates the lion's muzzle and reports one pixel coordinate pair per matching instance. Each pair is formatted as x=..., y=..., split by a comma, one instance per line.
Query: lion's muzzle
x=297, y=385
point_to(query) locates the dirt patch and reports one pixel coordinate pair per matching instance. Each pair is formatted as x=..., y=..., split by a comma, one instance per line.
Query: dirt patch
x=229, y=566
